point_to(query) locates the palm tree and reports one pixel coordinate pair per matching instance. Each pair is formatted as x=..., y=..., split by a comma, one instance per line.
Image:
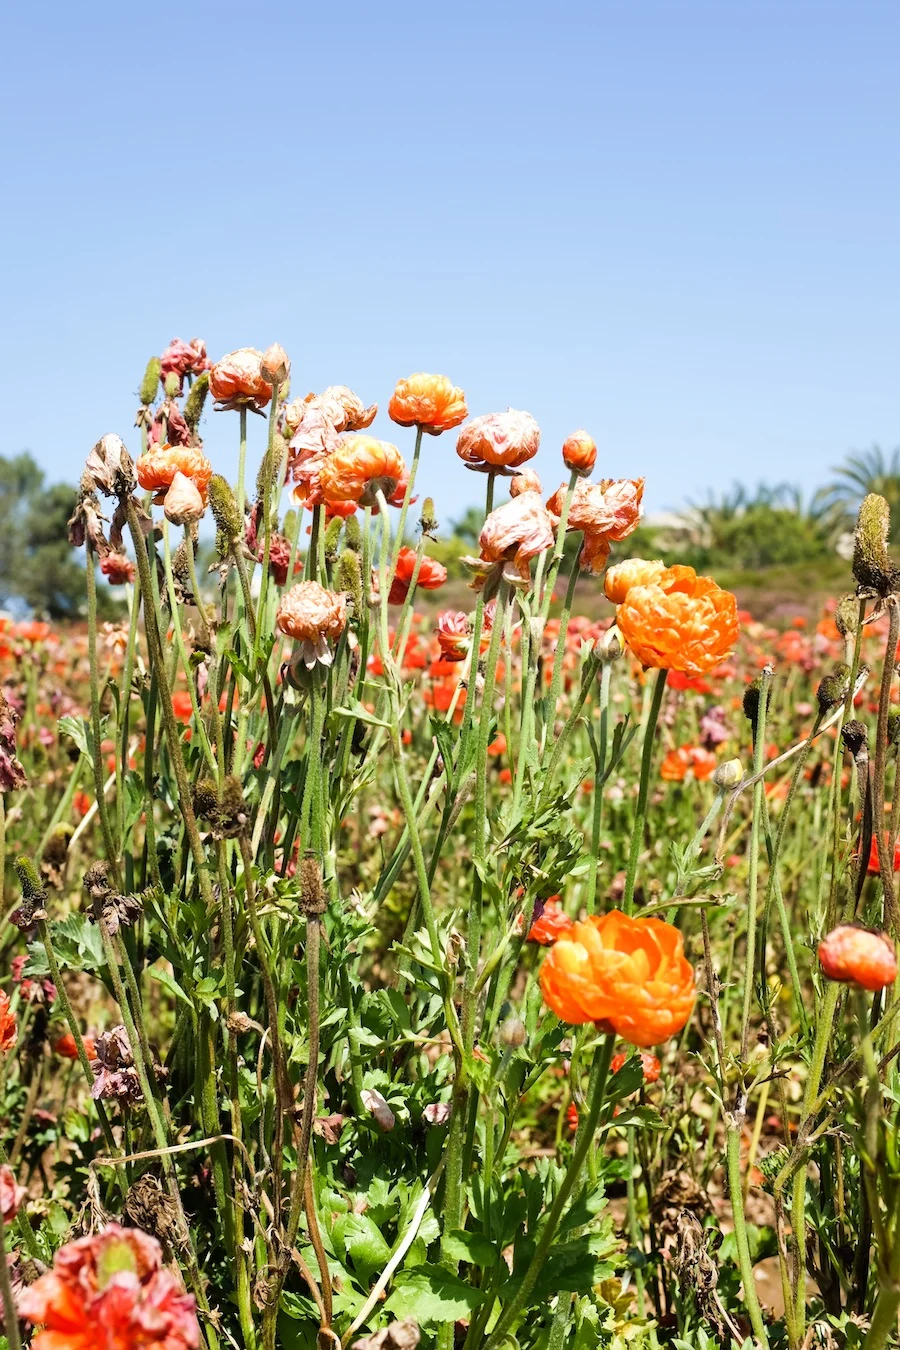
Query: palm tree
x=863, y=472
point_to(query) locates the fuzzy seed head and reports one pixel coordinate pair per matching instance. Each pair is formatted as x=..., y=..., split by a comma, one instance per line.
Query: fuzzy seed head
x=872, y=566
x=150, y=382
x=193, y=407
x=224, y=508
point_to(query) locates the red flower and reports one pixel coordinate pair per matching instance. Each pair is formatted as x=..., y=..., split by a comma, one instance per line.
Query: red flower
x=855, y=955
x=550, y=922
x=117, y=568
x=874, y=866
x=11, y=1194
x=9, y=1030
x=432, y=575
x=183, y=358
x=649, y=1063
x=182, y=706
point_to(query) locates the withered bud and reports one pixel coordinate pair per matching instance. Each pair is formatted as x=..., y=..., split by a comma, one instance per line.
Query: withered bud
x=609, y=646
x=34, y=896
x=150, y=1207
x=275, y=366
x=150, y=382
x=172, y=384
x=872, y=565
x=352, y=534
x=110, y=467
x=183, y=503
x=181, y=567
x=846, y=616
x=312, y=886
x=193, y=406
x=513, y=1033
x=428, y=520
x=856, y=739
x=239, y=1023
x=57, y=849
x=96, y=880
x=205, y=799
x=332, y=539
x=231, y=816
x=349, y=578
x=833, y=689
x=728, y=774
x=751, y=700
x=224, y=508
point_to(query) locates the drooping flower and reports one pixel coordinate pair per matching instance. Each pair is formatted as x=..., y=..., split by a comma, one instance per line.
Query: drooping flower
x=679, y=622
x=432, y=575
x=632, y=572
x=313, y=617
x=9, y=1031
x=110, y=1292
x=156, y=469
x=579, y=453
x=499, y=442
x=237, y=381
x=359, y=468
x=628, y=975
x=550, y=922
x=606, y=512
x=511, y=536
x=12, y=774
x=453, y=633
x=115, y=1077
x=337, y=406
x=184, y=503
x=183, y=358
x=428, y=401
x=855, y=955
x=117, y=568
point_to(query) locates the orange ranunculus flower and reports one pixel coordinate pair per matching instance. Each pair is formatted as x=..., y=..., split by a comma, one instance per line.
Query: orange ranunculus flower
x=511, y=536
x=453, y=633
x=677, y=764
x=551, y=924
x=237, y=381
x=358, y=468
x=337, y=408
x=579, y=453
x=858, y=956
x=499, y=442
x=679, y=622
x=632, y=572
x=428, y=401
x=611, y=508
x=631, y=975
x=432, y=575
x=649, y=1064
x=157, y=468
x=9, y=1028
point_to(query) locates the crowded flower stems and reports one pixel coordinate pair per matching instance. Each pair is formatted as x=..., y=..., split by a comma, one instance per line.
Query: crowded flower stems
x=382, y=972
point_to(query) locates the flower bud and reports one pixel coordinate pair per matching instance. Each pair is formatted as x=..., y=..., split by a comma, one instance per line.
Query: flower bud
x=872, y=565
x=428, y=520
x=332, y=538
x=349, y=578
x=172, y=385
x=525, y=481
x=513, y=1033
x=609, y=646
x=352, y=534
x=150, y=382
x=728, y=774
x=833, y=689
x=275, y=365
x=193, y=406
x=183, y=503
x=579, y=453
x=860, y=956
x=224, y=508
x=374, y=1102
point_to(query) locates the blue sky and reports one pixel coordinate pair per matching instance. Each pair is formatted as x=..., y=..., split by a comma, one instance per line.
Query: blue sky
x=674, y=223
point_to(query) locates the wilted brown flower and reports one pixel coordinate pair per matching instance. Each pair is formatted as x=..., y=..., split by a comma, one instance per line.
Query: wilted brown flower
x=12, y=775
x=499, y=442
x=183, y=358
x=110, y=467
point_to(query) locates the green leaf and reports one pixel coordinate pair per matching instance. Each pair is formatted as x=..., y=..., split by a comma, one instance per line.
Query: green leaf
x=77, y=943
x=168, y=981
x=78, y=730
x=357, y=712
x=471, y=1247
x=432, y=1296
x=363, y=1242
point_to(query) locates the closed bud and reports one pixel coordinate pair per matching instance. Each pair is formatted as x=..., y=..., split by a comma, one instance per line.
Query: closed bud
x=352, y=534
x=172, y=384
x=579, y=453
x=833, y=689
x=846, y=616
x=193, y=407
x=855, y=955
x=349, y=578
x=150, y=382
x=34, y=896
x=872, y=565
x=428, y=519
x=275, y=365
x=609, y=646
x=224, y=508
x=728, y=774
x=513, y=1033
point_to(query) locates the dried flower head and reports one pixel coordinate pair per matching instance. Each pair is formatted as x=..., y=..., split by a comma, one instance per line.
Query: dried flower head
x=511, y=536
x=237, y=381
x=499, y=442
x=12, y=775
x=110, y=467
x=431, y=402
x=181, y=359
x=313, y=617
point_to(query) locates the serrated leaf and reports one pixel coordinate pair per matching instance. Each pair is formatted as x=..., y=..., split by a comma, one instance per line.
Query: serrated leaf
x=471, y=1247
x=432, y=1296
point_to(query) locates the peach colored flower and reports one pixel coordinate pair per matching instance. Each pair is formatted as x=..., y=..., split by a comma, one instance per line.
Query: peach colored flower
x=579, y=453
x=680, y=622
x=628, y=975
x=511, y=536
x=110, y=1292
x=499, y=442
x=359, y=468
x=526, y=481
x=237, y=381
x=611, y=508
x=184, y=503
x=428, y=401
x=453, y=633
x=275, y=366
x=632, y=572
x=860, y=956
x=313, y=617
x=157, y=468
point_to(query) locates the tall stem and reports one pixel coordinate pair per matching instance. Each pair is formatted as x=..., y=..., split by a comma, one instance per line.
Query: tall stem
x=640, y=814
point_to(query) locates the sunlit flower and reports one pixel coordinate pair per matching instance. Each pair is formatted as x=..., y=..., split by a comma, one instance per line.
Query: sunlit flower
x=525, y=481
x=184, y=503
x=679, y=622
x=237, y=381
x=499, y=442
x=632, y=572
x=428, y=401
x=432, y=575
x=337, y=405
x=183, y=358
x=860, y=956
x=687, y=759
x=156, y=469
x=628, y=975
x=110, y=1292
x=275, y=365
x=579, y=453
x=511, y=536
x=360, y=468
x=550, y=922
x=313, y=617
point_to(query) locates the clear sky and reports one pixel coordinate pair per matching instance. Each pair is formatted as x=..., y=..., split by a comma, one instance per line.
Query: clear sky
x=672, y=222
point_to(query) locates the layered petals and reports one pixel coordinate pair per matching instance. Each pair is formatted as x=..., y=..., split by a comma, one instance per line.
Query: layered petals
x=431, y=402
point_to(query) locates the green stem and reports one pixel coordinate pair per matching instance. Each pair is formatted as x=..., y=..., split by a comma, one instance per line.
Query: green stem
x=640, y=815
x=742, y=1241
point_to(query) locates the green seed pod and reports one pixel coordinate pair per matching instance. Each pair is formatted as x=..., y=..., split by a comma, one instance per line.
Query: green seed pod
x=833, y=689
x=428, y=520
x=205, y=798
x=846, y=616
x=193, y=407
x=224, y=508
x=172, y=384
x=150, y=382
x=728, y=774
x=353, y=534
x=349, y=578
x=872, y=565
x=332, y=539
x=32, y=888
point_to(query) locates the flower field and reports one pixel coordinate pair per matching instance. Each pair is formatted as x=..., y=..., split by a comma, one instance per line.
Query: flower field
x=379, y=974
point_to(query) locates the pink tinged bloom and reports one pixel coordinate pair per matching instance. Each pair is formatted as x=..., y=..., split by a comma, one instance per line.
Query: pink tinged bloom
x=183, y=358
x=12, y=775
x=11, y=1194
x=511, y=536
x=374, y=1102
x=499, y=442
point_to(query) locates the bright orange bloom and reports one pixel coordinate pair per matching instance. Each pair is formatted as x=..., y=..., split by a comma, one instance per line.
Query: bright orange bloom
x=579, y=453
x=632, y=572
x=687, y=759
x=680, y=622
x=237, y=380
x=551, y=923
x=572, y=1116
x=629, y=975
x=428, y=401
x=858, y=956
x=359, y=468
x=649, y=1063
x=499, y=442
x=81, y=802
x=432, y=575
x=9, y=1029
x=157, y=468
x=66, y=1048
